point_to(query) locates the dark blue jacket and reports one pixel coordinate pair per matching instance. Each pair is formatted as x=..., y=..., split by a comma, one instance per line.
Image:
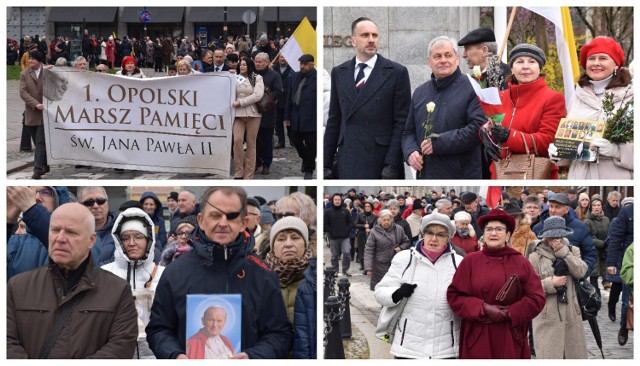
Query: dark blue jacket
x=620, y=237
x=364, y=130
x=303, y=116
x=581, y=238
x=304, y=316
x=158, y=221
x=213, y=269
x=456, y=118
x=105, y=241
x=286, y=76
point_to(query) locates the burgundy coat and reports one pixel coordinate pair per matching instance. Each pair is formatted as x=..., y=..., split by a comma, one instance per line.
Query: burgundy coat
x=477, y=280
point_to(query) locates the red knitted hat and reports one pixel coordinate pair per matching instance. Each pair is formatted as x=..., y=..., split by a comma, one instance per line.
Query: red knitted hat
x=127, y=59
x=602, y=45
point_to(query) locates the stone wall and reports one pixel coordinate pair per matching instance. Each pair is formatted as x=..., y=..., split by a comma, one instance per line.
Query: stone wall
x=404, y=33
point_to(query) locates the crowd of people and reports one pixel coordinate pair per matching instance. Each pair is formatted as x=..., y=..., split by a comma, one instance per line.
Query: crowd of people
x=374, y=125
x=260, y=68
x=77, y=251
x=516, y=245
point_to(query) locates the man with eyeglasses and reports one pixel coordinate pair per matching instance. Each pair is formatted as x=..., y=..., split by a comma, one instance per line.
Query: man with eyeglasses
x=97, y=201
x=559, y=206
x=99, y=306
x=221, y=263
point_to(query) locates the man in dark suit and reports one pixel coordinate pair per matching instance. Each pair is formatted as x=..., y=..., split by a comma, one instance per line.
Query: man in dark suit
x=370, y=97
x=31, y=90
x=300, y=113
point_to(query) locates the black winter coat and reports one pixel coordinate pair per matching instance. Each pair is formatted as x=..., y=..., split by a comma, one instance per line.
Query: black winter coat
x=303, y=116
x=457, y=117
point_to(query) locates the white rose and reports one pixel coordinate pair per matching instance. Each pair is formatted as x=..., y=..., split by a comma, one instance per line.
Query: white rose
x=430, y=107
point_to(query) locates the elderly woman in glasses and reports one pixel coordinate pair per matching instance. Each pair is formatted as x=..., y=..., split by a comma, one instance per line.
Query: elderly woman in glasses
x=428, y=328
x=558, y=331
x=385, y=240
x=179, y=245
x=496, y=306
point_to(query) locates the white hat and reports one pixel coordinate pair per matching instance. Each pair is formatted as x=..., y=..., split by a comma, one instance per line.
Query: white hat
x=462, y=216
x=134, y=225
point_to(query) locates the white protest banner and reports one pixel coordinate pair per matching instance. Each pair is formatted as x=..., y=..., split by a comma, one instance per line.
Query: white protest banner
x=168, y=124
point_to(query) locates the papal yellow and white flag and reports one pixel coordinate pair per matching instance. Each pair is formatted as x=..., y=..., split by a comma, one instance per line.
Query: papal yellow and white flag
x=566, y=43
x=303, y=41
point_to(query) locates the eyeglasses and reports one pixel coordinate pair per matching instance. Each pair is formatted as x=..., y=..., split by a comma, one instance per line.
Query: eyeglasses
x=280, y=215
x=182, y=233
x=498, y=229
x=91, y=202
x=440, y=235
x=47, y=192
x=229, y=215
x=531, y=207
x=136, y=238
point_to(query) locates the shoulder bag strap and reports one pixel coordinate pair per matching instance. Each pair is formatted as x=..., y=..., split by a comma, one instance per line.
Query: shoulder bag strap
x=535, y=148
x=153, y=273
x=65, y=312
x=526, y=147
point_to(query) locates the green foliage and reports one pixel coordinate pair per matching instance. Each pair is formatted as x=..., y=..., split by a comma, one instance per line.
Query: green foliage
x=553, y=70
x=619, y=127
x=13, y=72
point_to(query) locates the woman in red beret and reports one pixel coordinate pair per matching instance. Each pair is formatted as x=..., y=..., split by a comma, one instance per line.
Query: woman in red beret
x=130, y=69
x=602, y=59
x=494, y=326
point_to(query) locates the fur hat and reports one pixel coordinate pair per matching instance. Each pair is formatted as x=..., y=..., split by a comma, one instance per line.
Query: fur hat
x=462, y=216
x=438, y=219
x=289, y=223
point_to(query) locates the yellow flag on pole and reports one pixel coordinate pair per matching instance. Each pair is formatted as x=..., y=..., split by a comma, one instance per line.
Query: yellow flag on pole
x=302, y=41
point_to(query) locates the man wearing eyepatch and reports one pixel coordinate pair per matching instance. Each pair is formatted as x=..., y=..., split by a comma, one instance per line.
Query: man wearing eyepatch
x=29, y=251
x=97, y=201
x=221, y=262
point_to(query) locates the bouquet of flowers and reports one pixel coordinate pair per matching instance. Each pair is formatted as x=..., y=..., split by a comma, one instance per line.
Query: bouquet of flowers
x=487, y=89
x=619, y=128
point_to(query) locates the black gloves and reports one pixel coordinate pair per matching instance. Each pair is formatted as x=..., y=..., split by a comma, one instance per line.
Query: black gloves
x=495, y=313
x=389, y=172
x=328, y=174
x=491, y=151
x=405, y=290
x=500, y=133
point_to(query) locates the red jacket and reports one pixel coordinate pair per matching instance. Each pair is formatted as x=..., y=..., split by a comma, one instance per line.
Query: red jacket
x=538, y=110
x=469, y=244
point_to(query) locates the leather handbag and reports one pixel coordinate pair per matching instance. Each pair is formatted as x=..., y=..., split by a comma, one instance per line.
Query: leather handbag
x=524, y=166
x=389, y=318
x=267, y=102
x=510, y=292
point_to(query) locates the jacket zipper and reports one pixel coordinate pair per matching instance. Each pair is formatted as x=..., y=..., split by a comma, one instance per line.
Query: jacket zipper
x=452, y=339
x=404, y=329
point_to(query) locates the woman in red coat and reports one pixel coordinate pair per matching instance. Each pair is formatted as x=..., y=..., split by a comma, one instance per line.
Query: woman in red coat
x=111, y=52
x=492, y=328
x=532, y=109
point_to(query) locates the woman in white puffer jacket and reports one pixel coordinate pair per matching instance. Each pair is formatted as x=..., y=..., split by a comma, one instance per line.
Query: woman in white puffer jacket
x=427, y=328
x=134, y=256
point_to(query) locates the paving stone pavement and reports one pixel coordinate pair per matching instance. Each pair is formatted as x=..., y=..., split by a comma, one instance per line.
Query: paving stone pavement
x=286, y=163
x=363, y=304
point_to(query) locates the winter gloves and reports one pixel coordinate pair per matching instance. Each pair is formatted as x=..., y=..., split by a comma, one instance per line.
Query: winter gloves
x=495, y=313
x=405, y=290
x=500, y=133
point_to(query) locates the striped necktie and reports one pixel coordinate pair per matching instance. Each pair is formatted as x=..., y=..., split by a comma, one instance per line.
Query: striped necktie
x=360, y=78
